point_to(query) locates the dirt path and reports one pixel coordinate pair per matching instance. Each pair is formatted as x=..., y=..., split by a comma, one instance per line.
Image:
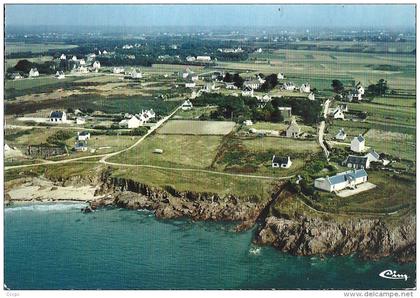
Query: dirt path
x=321, y=129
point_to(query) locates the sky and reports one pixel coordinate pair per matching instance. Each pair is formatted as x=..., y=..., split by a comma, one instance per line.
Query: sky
x=367, y=16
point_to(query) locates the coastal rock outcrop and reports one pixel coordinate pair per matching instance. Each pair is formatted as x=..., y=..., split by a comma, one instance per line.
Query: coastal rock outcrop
x=369, y=238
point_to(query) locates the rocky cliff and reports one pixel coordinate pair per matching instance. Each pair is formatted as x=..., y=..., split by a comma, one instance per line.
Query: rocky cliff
x=369, y=238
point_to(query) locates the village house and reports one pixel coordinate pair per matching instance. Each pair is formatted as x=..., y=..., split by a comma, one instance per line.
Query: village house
x=60, y=75
x=96, y=65
x=311, y=96
x=63, y=57
x=118, y=70
x=58, y=117
x=341, y=135
x=203, y=58
x=289, y=86
x=82, y=62
x=187, y=105
x=80, y=146
x=360, y=88
x=80, y=120
x=16, y=76
x=281, y=162
x=344, y=107
x=74, y=58
x=33, y=73
x=254, y=84
x=247, y=91
x=136, y=75
x=358, y=144
x=305, y=88
x=349, y=179
x=337, y=113
x=280, y=76
x=190, y=85
x=293, y=130
x=259, y=51
x=248, y=122
x=260, y=79
x=354, y=95
x=286, y=113
x=83, y=136
x=231, y=86
x=373, y=156
x=190, y=58
x=357, y=162
x=133, y=122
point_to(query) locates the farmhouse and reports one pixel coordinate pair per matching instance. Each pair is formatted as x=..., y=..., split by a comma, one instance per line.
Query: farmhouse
x=83, y=136
x=360, y=88
x=190, y=58
x=254, y=84
x=33, y=73
x=373, y=156
x=203, y=58
x=281, y=162
x=60, y=75
x=117, y=70
x=80, y=146
x=280, y=76
x=311, y=96
x=357, y=162
x=248, y=91
x=358, y=144
x=58, y=117
x=187, y=105
x=74, y=58
x=248, y=122
x=190, y=85
x=289, y=86
x=349, y=179
x=341, y=135
x=16, y=76
x=82, y=62
x=354, y=96
x=96, y=65
x=337, y=113
x=231, y=86
x=63, y=57
x=80, y=120
x=135, y=75
x=305, y=88
x=293, y=130
x=133, y=122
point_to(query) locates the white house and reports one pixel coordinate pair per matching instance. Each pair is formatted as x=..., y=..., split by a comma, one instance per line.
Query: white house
x=360, y=88
x=280, y=76
x=341, y=135
x=358, y=144
x=33, y=73
x=186, y=73
x=190, y=58
x=354, y=96
x=259, y=50
x=82, y=62
x=117, y=70
x=203, y=58
x=293, y=130
x=133, y=122
x=248, y=91
x=58, y=117
x=349, y=179
x=74, y=58
x=190, y=85
x=337, y=113
x=60, y=75
x=260, y=79
x=289, y=86
x=254, y=84
x=281, y=162
x=83, y=136
x=311, y=96
x=96, y=65
x=187, y=105
x=231, y=86
x=305, y=88
x=373, y=156
x=357, y=162
x=248, y=122
x=80, y=120
x=135, y=75
x=63, y=57
x=16, y=76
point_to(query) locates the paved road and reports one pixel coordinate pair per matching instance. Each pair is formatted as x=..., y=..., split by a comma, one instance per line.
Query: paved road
x=321, y=129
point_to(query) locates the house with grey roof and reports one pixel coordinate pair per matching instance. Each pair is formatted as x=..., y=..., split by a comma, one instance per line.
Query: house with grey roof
x=341, y=135
x=281, y=162
x=58, y=117
x=293, y=130
x=358, y=144
x=357, y=162
x=373, y=156
x=349, y=179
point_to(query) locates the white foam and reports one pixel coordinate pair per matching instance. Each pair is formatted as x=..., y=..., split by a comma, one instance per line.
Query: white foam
x=45, y=207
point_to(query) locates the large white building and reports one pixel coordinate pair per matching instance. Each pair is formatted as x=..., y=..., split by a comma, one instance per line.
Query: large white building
x=342, y=180
x=358, y=144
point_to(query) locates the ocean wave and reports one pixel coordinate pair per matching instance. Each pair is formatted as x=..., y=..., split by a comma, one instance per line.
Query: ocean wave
x=45, y=207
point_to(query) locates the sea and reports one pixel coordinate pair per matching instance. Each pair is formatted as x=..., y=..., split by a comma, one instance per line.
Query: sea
x=56, y=246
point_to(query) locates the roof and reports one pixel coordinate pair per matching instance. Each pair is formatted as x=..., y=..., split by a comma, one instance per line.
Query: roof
x=360, y=138
x=345, y=176
x=357, y=160
x=374, y=154
x=56, y=114
x=294, y=126
x=84, y=133
x=283, y=160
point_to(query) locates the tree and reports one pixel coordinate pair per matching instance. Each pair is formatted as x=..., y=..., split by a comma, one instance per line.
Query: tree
x=276, y=116
x=378, y=89
x=271, y=82
x=23, y=65
x=337, y=86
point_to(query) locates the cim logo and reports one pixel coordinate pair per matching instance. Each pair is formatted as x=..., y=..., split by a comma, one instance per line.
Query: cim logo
x=390, y=274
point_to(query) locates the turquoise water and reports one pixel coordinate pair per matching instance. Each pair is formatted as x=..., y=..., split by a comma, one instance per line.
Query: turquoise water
x=57, y=247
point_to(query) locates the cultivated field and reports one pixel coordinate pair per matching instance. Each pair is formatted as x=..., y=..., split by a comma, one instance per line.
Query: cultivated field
x=197, y=127
x=18, y=47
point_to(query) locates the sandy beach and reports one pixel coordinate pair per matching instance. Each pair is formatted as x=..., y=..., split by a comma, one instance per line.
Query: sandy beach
x=43, y=190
